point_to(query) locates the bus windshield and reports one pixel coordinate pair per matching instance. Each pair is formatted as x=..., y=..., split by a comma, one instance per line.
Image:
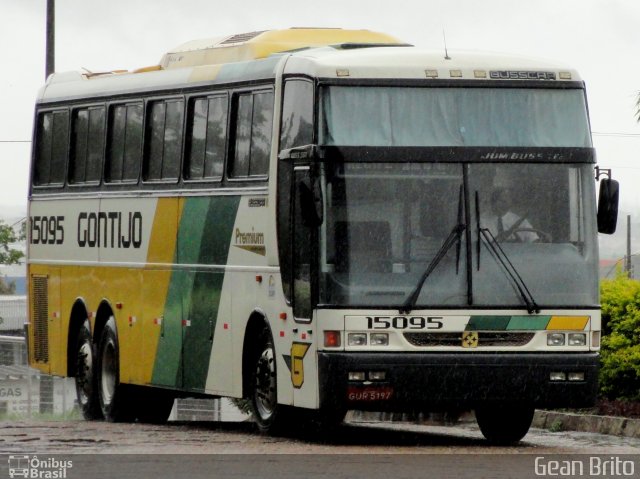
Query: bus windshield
x=419, y=116
x=386, y=223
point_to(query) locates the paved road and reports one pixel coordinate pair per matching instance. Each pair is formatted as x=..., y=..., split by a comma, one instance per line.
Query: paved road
x=371, y=450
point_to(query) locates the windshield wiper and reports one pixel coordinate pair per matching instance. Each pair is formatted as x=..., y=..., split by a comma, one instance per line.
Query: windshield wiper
x=503, y=260
x=453, y=238
x=510, y=270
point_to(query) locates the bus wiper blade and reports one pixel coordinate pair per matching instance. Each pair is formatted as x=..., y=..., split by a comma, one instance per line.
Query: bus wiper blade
x=453, y=238
x=510, y=270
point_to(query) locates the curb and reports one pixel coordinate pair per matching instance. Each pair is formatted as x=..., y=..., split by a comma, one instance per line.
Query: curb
x=564, y=421
x=550, y=420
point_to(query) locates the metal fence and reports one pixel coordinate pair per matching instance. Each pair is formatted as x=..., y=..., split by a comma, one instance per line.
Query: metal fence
x=13, y=314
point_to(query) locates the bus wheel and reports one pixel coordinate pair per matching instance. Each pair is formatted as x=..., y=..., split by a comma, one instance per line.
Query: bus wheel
x=115, y=404
x=154, y=406
x=86, y=375
x=268, y=415
x=504, y=424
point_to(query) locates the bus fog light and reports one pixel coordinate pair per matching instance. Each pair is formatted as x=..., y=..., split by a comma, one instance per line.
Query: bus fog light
x=555, y=339
x=577, y=339
x=332, y=339
x=379, y=339
x=377, y=375
x=595, y=339
x=357, y=339
x=356, y=376
x=558, y=376
x=576, y=376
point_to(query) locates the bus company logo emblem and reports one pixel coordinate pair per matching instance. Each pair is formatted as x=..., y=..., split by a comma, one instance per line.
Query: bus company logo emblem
x=250, y=241
x=257, y=202
x=470, y=339
x=295, y=363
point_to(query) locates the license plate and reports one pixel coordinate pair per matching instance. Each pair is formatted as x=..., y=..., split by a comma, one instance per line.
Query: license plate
x=369, y=393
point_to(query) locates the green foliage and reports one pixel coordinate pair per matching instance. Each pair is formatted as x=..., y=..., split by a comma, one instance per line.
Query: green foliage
x=620, y=348
x=10, y=236
x=556, y=426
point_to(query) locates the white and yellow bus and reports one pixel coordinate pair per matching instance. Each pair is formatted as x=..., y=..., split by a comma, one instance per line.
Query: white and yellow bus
x=318, y=220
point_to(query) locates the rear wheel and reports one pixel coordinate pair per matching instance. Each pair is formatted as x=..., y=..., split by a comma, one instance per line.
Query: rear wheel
x=86, y=377
x=504, y=424
x=115, y=399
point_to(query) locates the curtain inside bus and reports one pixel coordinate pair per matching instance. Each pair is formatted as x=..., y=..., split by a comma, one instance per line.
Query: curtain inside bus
x=402, y=116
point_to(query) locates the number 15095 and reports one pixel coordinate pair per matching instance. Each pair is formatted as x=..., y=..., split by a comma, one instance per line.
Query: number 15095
x=404, y=322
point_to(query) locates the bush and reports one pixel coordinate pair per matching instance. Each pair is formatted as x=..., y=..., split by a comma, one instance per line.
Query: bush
x=620, y=349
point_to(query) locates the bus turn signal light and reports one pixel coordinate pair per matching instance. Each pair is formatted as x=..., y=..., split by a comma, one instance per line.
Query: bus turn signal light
x=332, y=339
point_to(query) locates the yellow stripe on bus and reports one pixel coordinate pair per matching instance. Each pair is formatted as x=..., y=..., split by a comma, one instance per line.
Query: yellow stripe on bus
x=156, y=281
x=571, y=323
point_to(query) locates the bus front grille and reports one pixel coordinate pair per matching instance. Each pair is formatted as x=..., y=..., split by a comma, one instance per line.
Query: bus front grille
x=40, y=311
x=485, y=339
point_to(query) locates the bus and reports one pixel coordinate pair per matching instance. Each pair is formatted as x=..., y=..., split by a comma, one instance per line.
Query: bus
x=317, y=221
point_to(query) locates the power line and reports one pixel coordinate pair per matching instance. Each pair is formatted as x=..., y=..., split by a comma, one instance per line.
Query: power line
x=616, y=134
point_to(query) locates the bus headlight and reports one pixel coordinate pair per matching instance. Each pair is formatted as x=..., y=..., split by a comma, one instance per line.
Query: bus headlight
x=379, y=339
x=577, y=339
x=555, y=339
x=357, y=339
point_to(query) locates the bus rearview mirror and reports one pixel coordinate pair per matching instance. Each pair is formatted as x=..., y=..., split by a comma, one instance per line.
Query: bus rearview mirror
x=608, y=206
x=311, y=202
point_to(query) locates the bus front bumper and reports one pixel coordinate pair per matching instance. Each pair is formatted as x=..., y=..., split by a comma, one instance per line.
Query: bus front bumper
x=456, y=381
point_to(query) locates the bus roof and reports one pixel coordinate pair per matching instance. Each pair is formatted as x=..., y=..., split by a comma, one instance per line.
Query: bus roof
x=321, y=53
x=257, y=45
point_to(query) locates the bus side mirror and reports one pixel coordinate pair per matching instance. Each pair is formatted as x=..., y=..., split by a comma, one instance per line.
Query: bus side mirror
x=311, y=201
x=608, y=206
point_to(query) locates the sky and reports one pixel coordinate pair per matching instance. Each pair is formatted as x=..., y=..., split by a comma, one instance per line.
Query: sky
x=599, y=38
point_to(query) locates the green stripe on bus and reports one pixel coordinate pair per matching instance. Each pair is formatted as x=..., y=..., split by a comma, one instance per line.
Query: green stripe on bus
x=204, y=236
x=488, y=323
x=507, y=323
x=536, y=323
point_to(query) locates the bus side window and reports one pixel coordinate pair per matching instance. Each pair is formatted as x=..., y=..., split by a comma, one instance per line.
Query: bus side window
x=297, y=114
x=207, y=138
x=164, y=140
x=85, y=161
x=252, y=146
x=124, y=150
x=52, y=148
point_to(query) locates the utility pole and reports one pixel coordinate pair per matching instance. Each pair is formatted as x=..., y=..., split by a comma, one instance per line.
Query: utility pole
x=51, y=38
x=628, y=267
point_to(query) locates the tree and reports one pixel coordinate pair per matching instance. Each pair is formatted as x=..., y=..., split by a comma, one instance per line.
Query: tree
x=9, y=237
x=620, y=351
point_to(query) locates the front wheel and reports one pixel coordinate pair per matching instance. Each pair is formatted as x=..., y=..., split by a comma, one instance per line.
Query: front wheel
x=504, y=424
x=268, y=414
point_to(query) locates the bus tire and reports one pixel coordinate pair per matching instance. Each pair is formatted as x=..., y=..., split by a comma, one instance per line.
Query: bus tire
x=504, y=424
x=153, y=405
x=269, y=416
x=115, y=400
x=86, y=377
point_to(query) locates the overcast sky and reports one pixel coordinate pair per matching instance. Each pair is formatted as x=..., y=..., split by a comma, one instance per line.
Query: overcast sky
x=600, y=38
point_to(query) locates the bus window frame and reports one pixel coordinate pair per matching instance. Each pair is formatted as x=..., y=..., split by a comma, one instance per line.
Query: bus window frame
x=149, y=101
x=72, y=150
x=39, y=113
x=231, y=134
x=189, y=120
x=111, y=105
